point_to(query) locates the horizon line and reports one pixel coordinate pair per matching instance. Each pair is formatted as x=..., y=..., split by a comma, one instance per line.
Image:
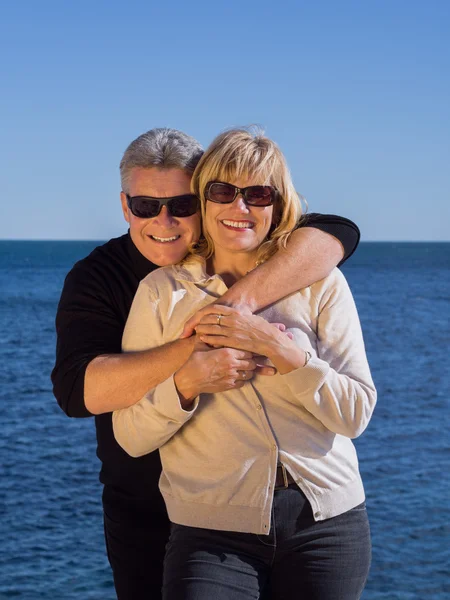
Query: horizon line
x=99, y=240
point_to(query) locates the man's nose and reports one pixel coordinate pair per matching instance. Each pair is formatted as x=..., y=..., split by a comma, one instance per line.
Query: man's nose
x=165, y=218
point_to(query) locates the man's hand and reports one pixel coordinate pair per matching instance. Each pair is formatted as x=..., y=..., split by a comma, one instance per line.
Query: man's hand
x=212, y=370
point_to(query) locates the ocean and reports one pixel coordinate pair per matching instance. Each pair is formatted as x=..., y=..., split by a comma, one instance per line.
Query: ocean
x=50, y=499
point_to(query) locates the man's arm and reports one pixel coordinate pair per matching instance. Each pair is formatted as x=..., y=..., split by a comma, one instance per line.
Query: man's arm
x=313, y=250
x=91, y=375
x=310, y=255
x=116, y=381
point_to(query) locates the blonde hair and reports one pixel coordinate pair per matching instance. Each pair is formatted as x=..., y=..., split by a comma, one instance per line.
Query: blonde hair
x=247, y=153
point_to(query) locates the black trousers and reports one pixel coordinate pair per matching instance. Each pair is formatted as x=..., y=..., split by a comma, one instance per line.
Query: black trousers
x=300, y=559
x=136, y=554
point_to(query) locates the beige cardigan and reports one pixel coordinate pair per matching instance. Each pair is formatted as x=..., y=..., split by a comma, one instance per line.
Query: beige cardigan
x=219, y=459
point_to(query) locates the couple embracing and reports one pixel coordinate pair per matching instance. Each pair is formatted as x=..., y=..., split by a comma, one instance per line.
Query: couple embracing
x=253, y=415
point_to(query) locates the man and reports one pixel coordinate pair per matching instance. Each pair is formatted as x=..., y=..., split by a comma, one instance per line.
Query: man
x=92, y=377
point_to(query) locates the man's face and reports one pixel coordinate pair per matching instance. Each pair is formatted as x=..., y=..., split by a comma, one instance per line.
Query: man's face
x=164, y=239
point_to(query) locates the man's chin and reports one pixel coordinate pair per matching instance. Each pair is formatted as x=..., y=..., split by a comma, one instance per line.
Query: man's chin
x=163, y=259
x=161, y=255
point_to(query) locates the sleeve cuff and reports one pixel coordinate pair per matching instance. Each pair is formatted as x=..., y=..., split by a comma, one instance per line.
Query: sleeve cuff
x=309, y=379
x=166, y=395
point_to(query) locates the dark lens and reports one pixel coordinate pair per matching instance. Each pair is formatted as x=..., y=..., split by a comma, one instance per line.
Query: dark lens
x=183, y=206
x=144, y=208
x=221, y=192
x=259, y=195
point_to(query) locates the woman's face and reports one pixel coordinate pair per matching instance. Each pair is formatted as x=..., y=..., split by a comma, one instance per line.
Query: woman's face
x=236, y=227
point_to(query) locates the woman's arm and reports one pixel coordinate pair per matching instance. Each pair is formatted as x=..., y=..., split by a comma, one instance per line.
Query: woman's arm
x=163, y=410
x=336, y=387
x=149, y=424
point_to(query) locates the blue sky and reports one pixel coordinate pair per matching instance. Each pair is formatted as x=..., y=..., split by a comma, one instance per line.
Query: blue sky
x=355, y=93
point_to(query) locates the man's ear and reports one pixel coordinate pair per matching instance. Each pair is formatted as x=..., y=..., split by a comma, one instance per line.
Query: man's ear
x=123, y=200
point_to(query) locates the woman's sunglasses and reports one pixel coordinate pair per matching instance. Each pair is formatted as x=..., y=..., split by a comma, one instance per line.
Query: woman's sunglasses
x=253, y=195
x=146, y=207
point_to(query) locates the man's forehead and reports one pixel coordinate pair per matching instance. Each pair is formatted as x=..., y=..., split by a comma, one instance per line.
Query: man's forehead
x=157, y=182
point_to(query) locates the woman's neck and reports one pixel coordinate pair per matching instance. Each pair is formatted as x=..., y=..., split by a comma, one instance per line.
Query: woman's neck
x=231, y=267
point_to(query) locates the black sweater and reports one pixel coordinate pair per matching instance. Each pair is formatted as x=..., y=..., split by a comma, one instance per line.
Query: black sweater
x=91, y=317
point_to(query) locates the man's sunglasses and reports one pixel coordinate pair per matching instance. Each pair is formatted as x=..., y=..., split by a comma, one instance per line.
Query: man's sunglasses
x=253, y=195
x=146, y=207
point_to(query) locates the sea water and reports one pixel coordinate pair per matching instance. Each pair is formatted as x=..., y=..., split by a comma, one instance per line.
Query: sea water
x=51, y=531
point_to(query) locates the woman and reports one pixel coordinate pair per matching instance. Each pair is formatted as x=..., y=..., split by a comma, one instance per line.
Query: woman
x=261, y=483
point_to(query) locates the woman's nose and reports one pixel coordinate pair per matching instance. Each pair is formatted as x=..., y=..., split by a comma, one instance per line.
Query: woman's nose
x=239, y=202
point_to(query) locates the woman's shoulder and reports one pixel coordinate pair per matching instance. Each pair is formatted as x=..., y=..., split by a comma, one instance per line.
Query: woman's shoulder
x=174, y=276
x=161, y=275
x=333, y=284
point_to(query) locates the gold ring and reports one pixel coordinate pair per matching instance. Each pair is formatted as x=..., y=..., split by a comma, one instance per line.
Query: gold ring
x=218, y=319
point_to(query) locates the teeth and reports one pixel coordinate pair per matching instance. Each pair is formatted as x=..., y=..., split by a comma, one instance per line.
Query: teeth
x=238, y=224
x=170, y=239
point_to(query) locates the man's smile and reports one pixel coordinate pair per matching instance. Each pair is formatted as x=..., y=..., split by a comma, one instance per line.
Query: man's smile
x=164, y=240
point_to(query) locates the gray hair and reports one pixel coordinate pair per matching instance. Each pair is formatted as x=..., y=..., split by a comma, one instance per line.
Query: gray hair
x=162, y=148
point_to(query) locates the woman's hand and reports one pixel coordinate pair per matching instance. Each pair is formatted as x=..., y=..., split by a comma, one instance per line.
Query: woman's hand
x=191, y=324
x=227, y=327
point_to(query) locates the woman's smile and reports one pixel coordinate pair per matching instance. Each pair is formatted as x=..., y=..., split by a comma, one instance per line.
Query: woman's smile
x=237, y=225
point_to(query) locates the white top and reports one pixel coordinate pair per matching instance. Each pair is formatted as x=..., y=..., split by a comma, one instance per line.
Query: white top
x=219, y=459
